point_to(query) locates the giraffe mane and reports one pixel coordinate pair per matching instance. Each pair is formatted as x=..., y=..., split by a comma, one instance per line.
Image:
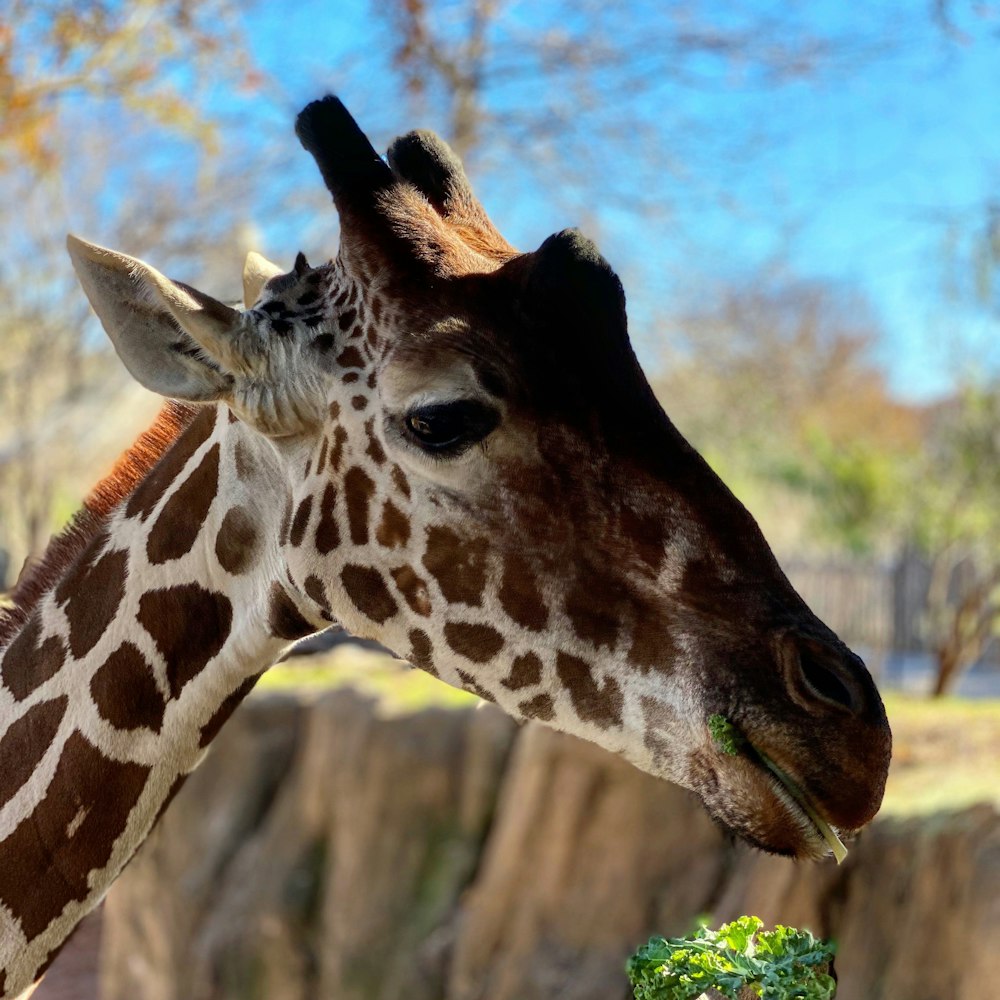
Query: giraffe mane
x=132, y=466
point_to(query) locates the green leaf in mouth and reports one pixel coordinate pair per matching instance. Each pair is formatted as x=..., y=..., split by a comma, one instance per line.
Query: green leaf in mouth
x=732, y=742
x=725, y=735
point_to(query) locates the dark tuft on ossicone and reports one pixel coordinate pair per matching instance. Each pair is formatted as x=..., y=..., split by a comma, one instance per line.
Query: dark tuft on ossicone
x=345, y=157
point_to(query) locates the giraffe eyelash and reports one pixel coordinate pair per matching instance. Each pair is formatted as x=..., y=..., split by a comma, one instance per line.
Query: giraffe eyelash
x=447, y=430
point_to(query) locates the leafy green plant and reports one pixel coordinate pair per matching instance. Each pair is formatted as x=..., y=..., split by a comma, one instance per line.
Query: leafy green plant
x=739, y=960
x=726, y=736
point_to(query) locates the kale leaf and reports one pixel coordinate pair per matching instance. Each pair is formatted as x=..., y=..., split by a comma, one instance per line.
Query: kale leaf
x=738, y=960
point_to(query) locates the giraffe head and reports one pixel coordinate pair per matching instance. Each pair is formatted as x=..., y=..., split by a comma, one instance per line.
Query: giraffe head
x=475, y=472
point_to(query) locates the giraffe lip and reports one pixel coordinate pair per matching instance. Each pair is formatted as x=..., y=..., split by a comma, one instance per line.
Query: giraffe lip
x=802, y=803
x=821, y=835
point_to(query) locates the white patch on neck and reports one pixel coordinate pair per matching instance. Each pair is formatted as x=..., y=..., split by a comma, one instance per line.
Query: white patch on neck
x=76, y=822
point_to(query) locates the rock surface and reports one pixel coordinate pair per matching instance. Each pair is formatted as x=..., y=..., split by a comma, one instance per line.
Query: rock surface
x=326, y=852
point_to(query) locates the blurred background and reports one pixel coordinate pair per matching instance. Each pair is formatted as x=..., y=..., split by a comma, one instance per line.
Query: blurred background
x=802, y=202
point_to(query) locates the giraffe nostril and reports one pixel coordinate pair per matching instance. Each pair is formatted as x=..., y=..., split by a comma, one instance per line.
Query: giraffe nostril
x=821, y=675
x=824, y=681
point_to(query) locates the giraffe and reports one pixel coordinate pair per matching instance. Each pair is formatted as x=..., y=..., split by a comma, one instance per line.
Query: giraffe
x=442, y=444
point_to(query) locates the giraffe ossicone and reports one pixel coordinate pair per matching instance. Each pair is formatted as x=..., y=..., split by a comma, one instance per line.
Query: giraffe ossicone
x=442, y=444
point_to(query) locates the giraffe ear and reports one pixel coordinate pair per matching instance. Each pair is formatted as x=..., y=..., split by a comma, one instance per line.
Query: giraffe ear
x=568, y=282
x=171, y=337
x=257, y=271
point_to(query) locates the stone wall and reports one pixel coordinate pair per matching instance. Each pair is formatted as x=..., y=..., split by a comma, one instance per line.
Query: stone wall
x=326, y=852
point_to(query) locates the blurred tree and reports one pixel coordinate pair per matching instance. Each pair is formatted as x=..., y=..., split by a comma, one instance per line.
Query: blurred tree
x=962, y=21
x=593, y=87
x=773, y=368
x=936, y=499
x=855, y=487
x=985, y=254
x=773, y=378
x=952, y=512
x=148, y=54
x=81, y=84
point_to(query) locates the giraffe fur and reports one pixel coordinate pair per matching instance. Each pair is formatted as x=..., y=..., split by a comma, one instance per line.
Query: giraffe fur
x=437, y=442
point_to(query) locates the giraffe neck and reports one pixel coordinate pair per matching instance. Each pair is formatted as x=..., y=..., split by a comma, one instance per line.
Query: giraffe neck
x=125, y=670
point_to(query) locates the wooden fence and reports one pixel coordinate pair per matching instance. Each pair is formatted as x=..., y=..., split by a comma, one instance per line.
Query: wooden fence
x=856, y=599
x=876, y=604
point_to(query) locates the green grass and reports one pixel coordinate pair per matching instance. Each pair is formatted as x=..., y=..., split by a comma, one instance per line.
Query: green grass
x=946, y=753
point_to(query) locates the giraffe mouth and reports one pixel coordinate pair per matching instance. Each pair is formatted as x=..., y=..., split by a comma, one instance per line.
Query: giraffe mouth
x=731, y=740
x=796, y=798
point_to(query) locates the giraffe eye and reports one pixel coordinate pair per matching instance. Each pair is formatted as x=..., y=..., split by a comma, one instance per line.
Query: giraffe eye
x=450, y=428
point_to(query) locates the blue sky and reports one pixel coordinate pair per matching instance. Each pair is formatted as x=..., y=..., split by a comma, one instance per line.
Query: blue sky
x=851, y=176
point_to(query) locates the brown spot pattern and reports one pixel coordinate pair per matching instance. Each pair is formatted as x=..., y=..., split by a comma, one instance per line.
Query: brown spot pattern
x=93, y=593
x=301, y=521
x=601, y=705
x=237, y=540
x=337, y=450
x=359, y=402
x=374, y=450
x=394, y=528
x=358, y=491
x=595, y=605
x=183, y=515
x=421, y=650
x=400, y=481
x=243, y=461
x=211, y=728
x=350, y=357
x=125, y=692
x=413, y=589
x=148, y=493
x=284, y=618
x=26, y=742
x=286, y=522
x=369, y=593
x=189, y=625
x=646, y=533
x=52, y=868
x=653, y=646
x=316, y=592
x=471, y=684
x=479, y=643
x=525, y=671
x=26, y=665
x=84, y=564
x=459, y=566
x=540, y=707
x=520, y=596
x=327, y=532
x=321, y=461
